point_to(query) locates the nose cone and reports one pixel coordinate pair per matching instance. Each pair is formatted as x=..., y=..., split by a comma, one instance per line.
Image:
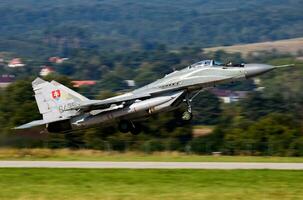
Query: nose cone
x=252, y=70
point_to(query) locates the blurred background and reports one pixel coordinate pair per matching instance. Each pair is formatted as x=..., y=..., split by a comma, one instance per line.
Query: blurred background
x=102, y=48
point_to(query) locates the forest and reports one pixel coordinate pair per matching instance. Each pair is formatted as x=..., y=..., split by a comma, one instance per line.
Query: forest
x=34, y=28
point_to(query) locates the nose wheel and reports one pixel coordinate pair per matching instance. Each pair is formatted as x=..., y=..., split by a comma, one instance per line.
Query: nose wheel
x=188, y=115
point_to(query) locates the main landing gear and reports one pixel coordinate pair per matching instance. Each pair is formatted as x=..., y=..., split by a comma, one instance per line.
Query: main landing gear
x=129, y=126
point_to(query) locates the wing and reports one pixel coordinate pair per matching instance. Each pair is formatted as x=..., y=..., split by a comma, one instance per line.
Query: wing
x=143, y=93
x=110, y=102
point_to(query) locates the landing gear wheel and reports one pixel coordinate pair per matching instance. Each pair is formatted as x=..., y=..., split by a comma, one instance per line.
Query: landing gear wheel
x=135, y=129
x=124, y=126
x=128, y=126
x=187, y=116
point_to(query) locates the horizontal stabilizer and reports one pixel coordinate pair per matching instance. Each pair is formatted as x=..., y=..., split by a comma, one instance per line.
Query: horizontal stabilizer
x=31, y=124
x=38, y=123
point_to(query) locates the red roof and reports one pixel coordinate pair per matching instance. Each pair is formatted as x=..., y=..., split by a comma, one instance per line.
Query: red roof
x=48, y=68
x=83, y=83
x=15, y=61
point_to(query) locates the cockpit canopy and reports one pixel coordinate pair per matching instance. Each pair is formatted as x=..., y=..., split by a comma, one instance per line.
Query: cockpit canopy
x=210, y=63
x=206, y=63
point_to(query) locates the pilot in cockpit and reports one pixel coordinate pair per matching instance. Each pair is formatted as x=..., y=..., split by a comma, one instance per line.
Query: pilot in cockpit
x=206, y=63
x=217, y=63
x=229, y=64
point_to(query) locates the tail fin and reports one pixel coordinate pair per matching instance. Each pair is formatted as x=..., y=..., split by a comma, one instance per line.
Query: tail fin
x=54, y=100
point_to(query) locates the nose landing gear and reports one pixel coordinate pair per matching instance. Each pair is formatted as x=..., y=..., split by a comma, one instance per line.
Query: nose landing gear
x=188, y=115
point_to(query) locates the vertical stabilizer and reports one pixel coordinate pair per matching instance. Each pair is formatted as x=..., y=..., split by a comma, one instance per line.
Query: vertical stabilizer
x=54, y=100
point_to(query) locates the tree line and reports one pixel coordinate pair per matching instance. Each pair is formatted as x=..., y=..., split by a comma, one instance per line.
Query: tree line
x=32, y=28
x=268, y=122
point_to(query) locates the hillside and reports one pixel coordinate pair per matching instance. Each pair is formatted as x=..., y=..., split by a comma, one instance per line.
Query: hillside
x=292, y=46
x=37, y=27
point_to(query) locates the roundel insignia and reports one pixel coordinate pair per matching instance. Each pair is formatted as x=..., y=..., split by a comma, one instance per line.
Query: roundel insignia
x=56, y=94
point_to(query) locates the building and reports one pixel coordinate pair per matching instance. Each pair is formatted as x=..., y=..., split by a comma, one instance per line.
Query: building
x=15, y=62
x=46, y=71
x=229, y=96
x=130, y=83
x=6, y=80
x=57, y=60
x=299, y=58
x=2, y=62
x=83, y=83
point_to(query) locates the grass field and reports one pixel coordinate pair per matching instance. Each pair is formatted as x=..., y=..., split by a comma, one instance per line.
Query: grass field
x=93, y=155
x=284, y=46
x=76, y=184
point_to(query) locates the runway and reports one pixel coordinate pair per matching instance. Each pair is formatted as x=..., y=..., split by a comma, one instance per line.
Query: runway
x=149, y=165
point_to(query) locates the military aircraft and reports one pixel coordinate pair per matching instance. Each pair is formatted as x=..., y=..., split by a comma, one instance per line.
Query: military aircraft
x=65, y=110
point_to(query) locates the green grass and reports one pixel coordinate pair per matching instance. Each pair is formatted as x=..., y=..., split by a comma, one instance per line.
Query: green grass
x=110, y=184
x=92, y=155
x=203, y=126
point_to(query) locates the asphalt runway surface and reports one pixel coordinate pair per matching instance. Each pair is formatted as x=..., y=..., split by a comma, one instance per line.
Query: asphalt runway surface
x=149, y=165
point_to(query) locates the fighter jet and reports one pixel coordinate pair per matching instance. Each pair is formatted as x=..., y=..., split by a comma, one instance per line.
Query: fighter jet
x=65, y=110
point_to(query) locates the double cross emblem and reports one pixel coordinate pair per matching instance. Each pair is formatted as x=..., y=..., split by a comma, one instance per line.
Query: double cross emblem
x=56, y=94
